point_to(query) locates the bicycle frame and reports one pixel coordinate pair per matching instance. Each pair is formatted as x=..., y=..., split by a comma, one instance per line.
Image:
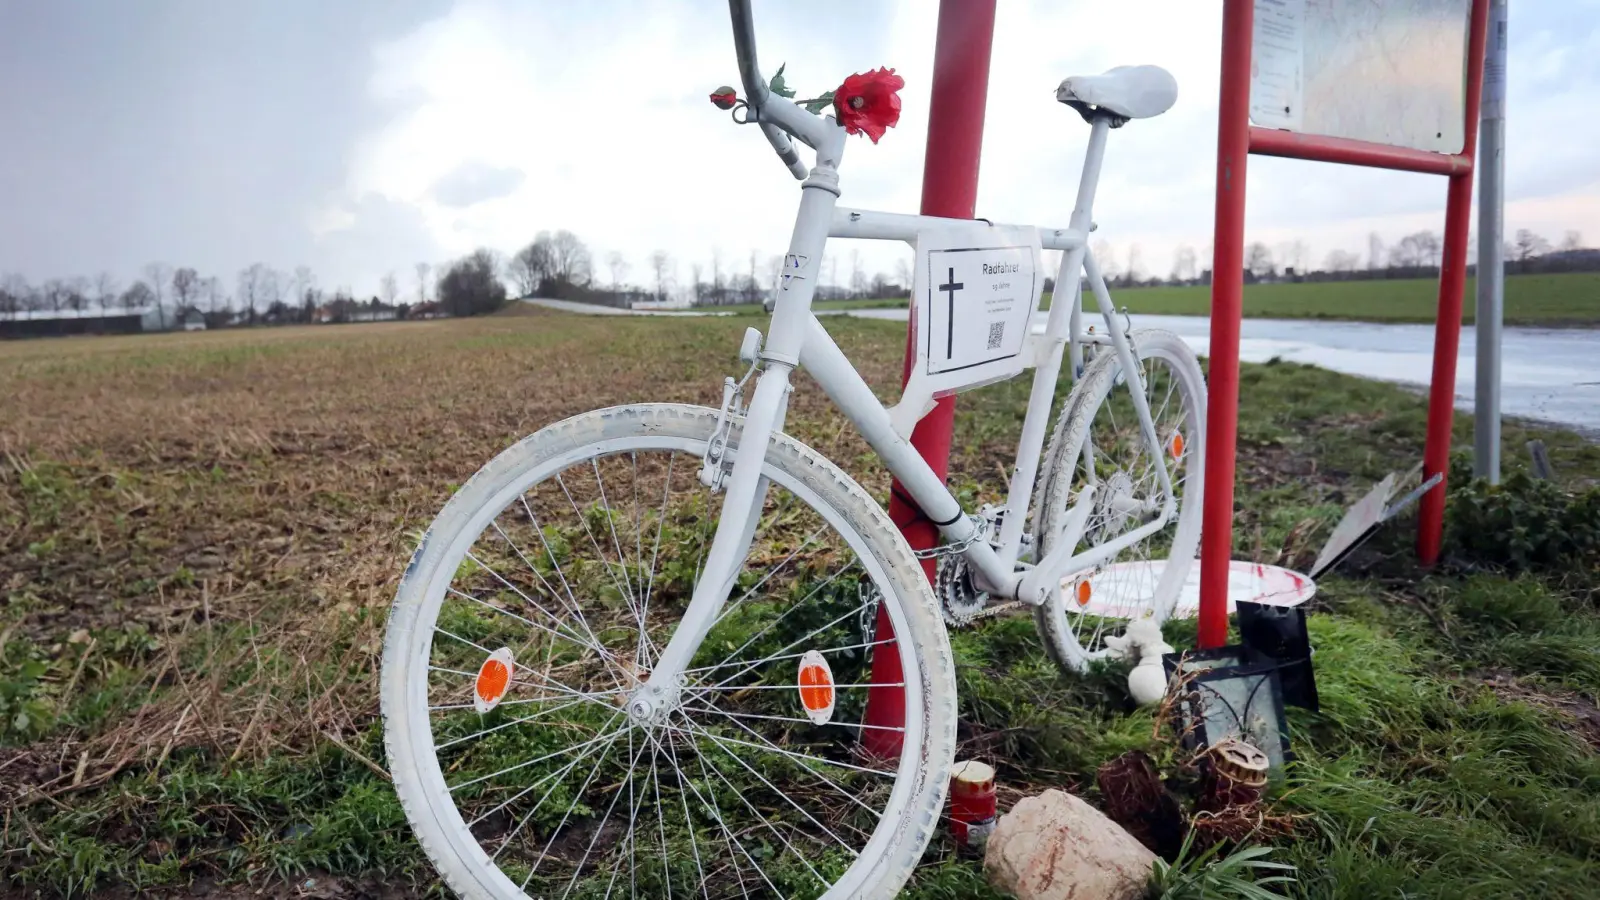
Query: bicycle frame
x=796, y=337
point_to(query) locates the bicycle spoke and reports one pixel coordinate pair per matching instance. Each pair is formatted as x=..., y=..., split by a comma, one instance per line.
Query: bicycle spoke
x=766, y=822
x=792, y=644
x=787, y=799
x=598, y=650
x=559, y=599
x=477, y=734
x=533, y=762
x=688, y=822
x=559, y=773
x=852, y=796
x=595, y=543
x=655, y=554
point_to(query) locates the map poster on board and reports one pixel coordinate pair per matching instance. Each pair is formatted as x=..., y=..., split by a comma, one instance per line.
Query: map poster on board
x=975, y=290
x=1277, y=64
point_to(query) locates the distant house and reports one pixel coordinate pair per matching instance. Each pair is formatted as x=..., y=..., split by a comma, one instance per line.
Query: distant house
x=30, y=323
x=194, y=320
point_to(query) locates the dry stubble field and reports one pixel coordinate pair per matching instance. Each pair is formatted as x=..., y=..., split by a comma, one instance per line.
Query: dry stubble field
x=200, y=535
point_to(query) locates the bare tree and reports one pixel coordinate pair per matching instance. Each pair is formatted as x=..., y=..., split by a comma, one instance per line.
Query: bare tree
x=696, y=286
x=903, y=274
x=389, y=289
x=422, y=270
x=1106, y=255
x=774, y=282
x=1572, y=240
x=105, y=290
x=858, y=278
x=77, y=293
x=1430, y=248
x=1135, y=264
x=1183, y=263
x=212, y=290
x=272, y=291
x=185, y=289
x=659, y=261
x=1296, y=254
x=13, y=289
x=753, y=293
x=1374, y=252
x=1415, y=251
x=716, y=276
x=569, y=259
x=529, y=267
x=1258, y=260
x=158, y=277
x=250, y=289
x=1340, y=261
x=1528, y=246
x=137, y=296
x=618, y=264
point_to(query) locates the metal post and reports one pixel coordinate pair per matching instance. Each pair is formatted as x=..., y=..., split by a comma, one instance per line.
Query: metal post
x=1491, y=262
x=1447, y=329
x=949, y=188
x=1227, y=298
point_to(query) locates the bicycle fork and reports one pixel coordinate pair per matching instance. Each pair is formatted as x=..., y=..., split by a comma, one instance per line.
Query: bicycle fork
x=746, y=488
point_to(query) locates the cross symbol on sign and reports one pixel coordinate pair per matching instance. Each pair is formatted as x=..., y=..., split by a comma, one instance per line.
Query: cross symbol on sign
x=950, y=287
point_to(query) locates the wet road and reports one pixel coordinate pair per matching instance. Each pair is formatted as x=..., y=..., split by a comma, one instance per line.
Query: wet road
x=1546, y=373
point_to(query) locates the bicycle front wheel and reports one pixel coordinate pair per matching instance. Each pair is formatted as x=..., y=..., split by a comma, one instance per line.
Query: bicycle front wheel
x=527, y=625
x=1099, y=440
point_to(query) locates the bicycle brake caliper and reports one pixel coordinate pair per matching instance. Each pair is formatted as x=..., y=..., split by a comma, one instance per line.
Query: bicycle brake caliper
x=711, y=469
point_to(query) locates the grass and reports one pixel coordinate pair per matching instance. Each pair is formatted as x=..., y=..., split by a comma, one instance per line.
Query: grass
x=1565, y=299
x=1571, y=298
x=200, y=534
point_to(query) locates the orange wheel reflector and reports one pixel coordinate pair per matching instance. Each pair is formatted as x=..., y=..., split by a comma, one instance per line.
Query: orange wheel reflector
x=1177, y=445
x=1084, y=592
x=494, y=679
x=816, y=687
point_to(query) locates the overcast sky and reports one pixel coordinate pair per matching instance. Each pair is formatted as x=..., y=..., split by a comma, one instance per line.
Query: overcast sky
x=363, y=136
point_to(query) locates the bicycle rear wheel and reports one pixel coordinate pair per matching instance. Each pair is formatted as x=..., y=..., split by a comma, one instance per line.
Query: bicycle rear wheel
x=1099, y=440
x=527, y=624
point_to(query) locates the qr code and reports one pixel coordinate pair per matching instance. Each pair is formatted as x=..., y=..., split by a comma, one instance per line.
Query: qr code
x=996, y=330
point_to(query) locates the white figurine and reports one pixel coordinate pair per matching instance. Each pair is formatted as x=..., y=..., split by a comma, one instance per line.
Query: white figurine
x=1141, y=640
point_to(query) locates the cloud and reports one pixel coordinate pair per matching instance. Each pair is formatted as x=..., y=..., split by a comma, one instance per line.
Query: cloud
x=475, y=181
x=606, y=116
x=357, y=243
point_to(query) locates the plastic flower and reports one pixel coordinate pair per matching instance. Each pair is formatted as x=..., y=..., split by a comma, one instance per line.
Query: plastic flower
x=867, y=103
x=724, y=97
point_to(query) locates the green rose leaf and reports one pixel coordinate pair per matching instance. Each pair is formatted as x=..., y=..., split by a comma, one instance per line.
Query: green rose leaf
x=778, y=86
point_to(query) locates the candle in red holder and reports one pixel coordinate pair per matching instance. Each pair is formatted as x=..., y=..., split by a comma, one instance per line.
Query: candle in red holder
x=972, y=809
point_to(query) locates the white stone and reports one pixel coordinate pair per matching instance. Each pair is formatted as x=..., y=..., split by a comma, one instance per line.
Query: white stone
x=1055, y=846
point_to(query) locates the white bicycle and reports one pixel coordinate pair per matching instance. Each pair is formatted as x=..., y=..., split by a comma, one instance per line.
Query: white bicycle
x=600, y=679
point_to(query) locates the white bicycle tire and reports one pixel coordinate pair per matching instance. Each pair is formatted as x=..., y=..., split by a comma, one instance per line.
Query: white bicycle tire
x=918, y=794
x=1056, y=487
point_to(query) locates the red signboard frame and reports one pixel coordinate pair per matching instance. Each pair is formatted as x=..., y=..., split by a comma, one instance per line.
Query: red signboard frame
x=1236, y=140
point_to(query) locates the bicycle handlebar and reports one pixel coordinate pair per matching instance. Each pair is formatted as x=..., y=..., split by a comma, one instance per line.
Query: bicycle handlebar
x=755, y=87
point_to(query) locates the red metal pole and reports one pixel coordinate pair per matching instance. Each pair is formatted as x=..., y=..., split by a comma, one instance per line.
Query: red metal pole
x=949, y=188
x=1452, y=284
x=1227, y=299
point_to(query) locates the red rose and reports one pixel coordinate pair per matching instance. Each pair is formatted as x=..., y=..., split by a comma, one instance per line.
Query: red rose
x=868, y=103
x=724, y=97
